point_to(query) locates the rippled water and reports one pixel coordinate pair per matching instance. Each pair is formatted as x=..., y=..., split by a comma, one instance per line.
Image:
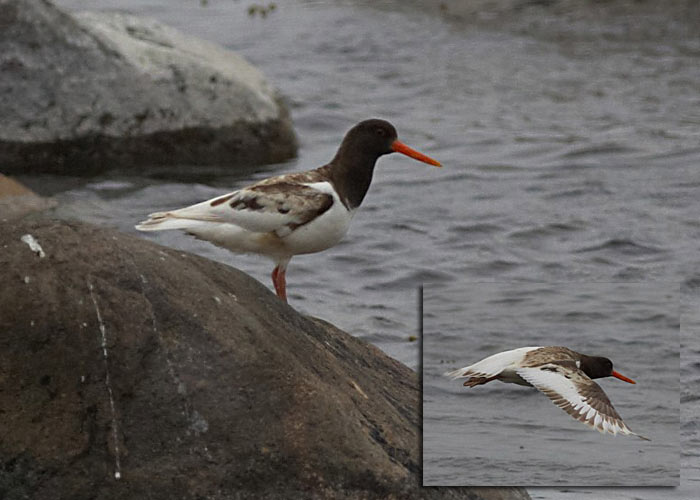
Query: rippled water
x=506, y=434
x=571, y=152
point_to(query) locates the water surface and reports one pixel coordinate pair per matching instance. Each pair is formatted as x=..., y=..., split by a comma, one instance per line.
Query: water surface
x=499, y=433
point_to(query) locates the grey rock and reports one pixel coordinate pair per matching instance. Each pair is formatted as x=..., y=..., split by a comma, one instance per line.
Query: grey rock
x=190, y=379
x=17, y=201
x=105, y=90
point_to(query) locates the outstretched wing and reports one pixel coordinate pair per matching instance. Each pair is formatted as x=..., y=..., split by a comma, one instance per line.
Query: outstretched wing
x=266, y=207
x=579, y=396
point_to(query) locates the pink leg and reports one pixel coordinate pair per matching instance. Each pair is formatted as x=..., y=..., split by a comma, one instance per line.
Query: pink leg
x=280, y=282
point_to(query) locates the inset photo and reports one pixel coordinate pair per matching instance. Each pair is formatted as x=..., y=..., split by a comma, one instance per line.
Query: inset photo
x=551, y=384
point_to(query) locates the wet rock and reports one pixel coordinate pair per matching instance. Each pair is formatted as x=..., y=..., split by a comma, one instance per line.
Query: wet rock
x=95, y=91
x=188, y=379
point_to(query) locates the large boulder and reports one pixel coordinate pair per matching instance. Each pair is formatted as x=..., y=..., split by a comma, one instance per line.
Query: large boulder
x=130, y=370
x=100, y=90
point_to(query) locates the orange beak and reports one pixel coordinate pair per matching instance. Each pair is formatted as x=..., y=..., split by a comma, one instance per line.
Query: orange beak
x=400, y=147
x=622, y=377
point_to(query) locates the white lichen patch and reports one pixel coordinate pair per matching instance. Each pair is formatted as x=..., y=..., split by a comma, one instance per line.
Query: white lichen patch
x=108, y=384
x=33, y=245
x=197, y=423
x=358, y=389
x=181, y=388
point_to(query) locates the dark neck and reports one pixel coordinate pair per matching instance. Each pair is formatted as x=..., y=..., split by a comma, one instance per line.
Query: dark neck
x=351, y=176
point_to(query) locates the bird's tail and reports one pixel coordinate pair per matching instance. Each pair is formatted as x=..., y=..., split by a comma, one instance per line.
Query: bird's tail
x=455, y=374
x=473, y=379
x=161, y=221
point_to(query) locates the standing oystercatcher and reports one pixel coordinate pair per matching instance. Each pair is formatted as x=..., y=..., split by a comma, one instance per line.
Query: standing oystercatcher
x=292, y=214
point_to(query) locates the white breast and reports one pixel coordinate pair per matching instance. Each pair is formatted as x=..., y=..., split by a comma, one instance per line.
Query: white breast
x=325, y=230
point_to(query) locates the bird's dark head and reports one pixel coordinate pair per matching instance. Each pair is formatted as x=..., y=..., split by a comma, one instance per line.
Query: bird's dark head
x=373, y=136
x=370, y=139
x=599, y=367
x=353, y=165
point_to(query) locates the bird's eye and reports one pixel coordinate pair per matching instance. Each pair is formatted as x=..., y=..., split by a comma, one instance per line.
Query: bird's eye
x=381, y=132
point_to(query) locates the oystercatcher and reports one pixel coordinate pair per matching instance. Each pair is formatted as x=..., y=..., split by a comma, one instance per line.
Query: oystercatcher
x=292, y=214
x=565, y=376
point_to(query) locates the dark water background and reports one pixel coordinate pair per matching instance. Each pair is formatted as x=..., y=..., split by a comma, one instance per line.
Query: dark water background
x=570, y=142
x=508, y=434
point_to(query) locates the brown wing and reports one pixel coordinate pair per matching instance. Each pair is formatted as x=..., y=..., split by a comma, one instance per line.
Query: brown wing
x=579, y=396
x=320, y=174
x=547, y=354
x=279, y=207
x=299, y=204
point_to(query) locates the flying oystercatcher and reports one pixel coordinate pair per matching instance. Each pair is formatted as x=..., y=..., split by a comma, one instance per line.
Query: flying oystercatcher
x=292, y=214
x=563, y=375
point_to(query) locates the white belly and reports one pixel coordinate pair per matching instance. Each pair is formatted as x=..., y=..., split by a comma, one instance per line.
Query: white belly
x=321, y=233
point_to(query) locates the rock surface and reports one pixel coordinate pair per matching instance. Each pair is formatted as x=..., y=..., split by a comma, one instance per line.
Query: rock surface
x=98, y=90
x=188, y=379
x=16, y=200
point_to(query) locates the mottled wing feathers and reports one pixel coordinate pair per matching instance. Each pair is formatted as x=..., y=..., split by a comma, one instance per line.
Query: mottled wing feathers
x=321, y=174
x=547, y=354
x=280, y=207
x=575, y=393
x=276, y=204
